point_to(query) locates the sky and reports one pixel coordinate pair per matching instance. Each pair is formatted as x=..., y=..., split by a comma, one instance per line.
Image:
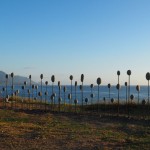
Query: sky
x=73, y=37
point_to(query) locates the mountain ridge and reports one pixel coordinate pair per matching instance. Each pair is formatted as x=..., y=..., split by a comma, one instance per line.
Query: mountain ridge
x=18, y=80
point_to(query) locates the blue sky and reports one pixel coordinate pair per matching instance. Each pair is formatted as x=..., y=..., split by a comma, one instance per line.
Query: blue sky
x=63, y=37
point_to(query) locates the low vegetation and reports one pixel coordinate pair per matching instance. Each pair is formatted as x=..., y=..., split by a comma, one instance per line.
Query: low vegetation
x=36, y=129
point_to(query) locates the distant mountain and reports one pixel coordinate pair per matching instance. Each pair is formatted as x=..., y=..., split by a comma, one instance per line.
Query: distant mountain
x=18, y=80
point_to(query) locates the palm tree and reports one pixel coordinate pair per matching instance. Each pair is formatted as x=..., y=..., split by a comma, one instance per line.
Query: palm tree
x=81, y=93
x=7, y=76
x=23, y=95
x=148, y=78
x=46, y=93
x=64, y=89
x=36, y=88
x=69, y=97
x=126, y=85
x=30, y=80
x=53, y=80
x=98, y=82
x=82, y=79
x=71, y=78
x=104, y=99
x=75, y=102
x=138, y=90
x=109, y=86
x=86, y=101
x=41, y=76
x=143, y=102
x=25, y=83
x=128, y=73
x=92, y=95
x=91, y=86
x=112, y=101
x=75, y=89
x=131, y=97
x=59, y=98
x=33, y=87
x=40, y=95
x=118, y=88
x=12, y=76
x=52, y=99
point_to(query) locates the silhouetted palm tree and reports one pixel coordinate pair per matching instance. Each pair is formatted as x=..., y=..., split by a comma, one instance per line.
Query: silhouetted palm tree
x=92, y=96
x=75, y=89
x=52, y=99
x=86, y=100
x=12, y=76
x=75, y=102
x=143, y=102
x=82, y=79
x=132, y=97
x=30, y=81
x=41, y=76
x=118, y=88
x=40, y=95
x=69, y=97
x=109, y=86
x=81, y=93
x=46, y=93
x=53, y=80
x=138, y=90
x=25, y=84
x=126, y=85
x=91, y=86
x=33, y=87
x=98, y=82
x=128, y=73
x=71, y=78
x=7, y=76
x=148, y=78
x=23, y=96
x=59, y=96
x=36, y=87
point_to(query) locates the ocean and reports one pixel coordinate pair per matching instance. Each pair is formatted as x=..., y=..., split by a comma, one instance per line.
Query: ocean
x=103, y=92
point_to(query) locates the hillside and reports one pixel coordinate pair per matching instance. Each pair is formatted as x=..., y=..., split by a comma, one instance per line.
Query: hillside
x=17, y=79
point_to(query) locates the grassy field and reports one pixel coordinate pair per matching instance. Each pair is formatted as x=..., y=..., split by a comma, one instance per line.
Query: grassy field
x=30, y=129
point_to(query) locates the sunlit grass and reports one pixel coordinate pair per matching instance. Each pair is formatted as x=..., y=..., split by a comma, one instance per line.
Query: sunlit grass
x=34, y=130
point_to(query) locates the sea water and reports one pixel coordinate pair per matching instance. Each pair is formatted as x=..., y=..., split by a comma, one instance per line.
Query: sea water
x=103, y=92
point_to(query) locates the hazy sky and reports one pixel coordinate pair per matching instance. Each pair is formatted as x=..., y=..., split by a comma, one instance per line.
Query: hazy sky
x=63, y=37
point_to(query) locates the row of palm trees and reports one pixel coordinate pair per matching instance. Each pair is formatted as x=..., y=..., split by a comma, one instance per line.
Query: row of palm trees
x=32, y=87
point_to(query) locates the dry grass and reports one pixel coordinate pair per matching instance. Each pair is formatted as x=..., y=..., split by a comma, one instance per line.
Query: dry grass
x=65, y=131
